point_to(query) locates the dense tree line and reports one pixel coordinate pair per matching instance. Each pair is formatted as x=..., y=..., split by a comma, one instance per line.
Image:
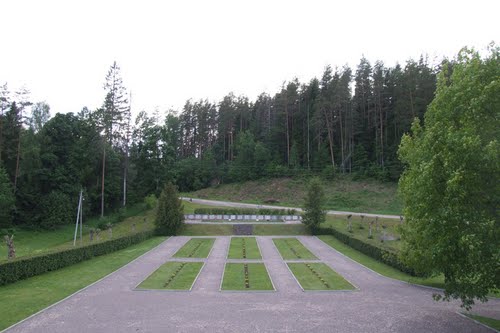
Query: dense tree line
x=349, y=121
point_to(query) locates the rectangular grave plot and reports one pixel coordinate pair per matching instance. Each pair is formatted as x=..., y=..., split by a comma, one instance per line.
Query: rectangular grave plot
x=196, y=248
x=292, y=249
x=318, y=276
x=173, y=276
x=246, y=277
x=244, y=248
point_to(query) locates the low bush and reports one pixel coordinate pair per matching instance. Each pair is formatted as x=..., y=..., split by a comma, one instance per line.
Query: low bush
x=31, y=266
x=387, y=257
x=244, y=211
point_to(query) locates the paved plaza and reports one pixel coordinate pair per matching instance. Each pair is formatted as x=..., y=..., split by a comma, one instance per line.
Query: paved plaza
x=378, y=305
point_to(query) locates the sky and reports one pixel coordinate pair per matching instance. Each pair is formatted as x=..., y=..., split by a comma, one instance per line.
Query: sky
x=170, y=51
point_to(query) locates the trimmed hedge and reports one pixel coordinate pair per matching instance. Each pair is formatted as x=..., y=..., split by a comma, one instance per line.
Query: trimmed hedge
x=244, y=211
x=387, y=257
x=23, y=268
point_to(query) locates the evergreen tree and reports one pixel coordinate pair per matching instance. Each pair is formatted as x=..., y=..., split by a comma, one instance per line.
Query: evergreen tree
x=314, y=214
x=170, y=211
x=6, y=200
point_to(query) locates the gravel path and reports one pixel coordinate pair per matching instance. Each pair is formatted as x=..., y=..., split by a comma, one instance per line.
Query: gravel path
x=246, y=205
x=380, y=304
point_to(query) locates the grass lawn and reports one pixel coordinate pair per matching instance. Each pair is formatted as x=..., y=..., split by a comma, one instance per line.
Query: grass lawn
x=244, y=248
x=318, y=276
x=343, y=193
x=491, y=322
x=234, y=277
x=23, y=298
x=206, y=230
x=196, y=248
x=292, y=249
x=189, y=207
x=173, y=276
x=360, y=230
x=34, y=242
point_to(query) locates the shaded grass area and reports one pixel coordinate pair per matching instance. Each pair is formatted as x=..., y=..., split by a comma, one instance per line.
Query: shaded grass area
x=23, y=298
x=292, y=248
x=318, y=276
x=385, y=232
x=343, y=193
x=196, y=248
x=34, y=242
x=491, y=322
x=173, y=276
x=244, y=248
x=234, y=277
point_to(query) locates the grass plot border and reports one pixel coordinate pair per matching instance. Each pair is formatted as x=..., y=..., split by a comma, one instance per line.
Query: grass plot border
x=237, y=259
x=243, y=290
x=136, y=288
x=315, y=259
x=355, y=288
x=174, y=256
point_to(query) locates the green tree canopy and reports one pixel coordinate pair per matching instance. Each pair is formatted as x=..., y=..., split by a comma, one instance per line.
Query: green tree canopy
x=451, y=183
x=6, y=200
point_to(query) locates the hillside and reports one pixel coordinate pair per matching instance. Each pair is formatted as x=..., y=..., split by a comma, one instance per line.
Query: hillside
x=343, y=193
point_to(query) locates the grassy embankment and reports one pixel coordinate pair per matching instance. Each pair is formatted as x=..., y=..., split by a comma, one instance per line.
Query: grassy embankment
x=34, y=242
x=343, y=193
x=23, y=298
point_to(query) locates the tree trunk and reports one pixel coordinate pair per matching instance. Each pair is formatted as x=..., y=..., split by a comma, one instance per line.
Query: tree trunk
x=102, y=182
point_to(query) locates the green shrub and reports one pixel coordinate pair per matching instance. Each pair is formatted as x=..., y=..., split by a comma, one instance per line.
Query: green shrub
x=150, y=201
x=56, y=210
x=23, y=268
x=387, y=257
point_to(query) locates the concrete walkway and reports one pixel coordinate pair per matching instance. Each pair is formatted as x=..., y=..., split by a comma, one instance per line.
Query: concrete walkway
x=247, y=205
x=380, y=304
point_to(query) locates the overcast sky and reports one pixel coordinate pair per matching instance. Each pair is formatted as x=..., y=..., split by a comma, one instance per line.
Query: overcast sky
x=170, y=51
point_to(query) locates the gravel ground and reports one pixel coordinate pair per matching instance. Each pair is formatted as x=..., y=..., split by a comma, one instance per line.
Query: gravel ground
x=378, y=305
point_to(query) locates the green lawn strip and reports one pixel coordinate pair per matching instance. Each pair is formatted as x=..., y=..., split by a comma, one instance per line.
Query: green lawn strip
x=173, y=276
x=23, y=298
x=244, y=248
x=206, y=230
x=390, y=228
x=280, y=230
x=258, y=278
x=292, y=249
x=377, y=266
x=196, y=248
x=318, y=276
x=490, y=322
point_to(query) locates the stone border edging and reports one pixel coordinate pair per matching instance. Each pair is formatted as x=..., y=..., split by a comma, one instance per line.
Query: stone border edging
x=476, y=321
